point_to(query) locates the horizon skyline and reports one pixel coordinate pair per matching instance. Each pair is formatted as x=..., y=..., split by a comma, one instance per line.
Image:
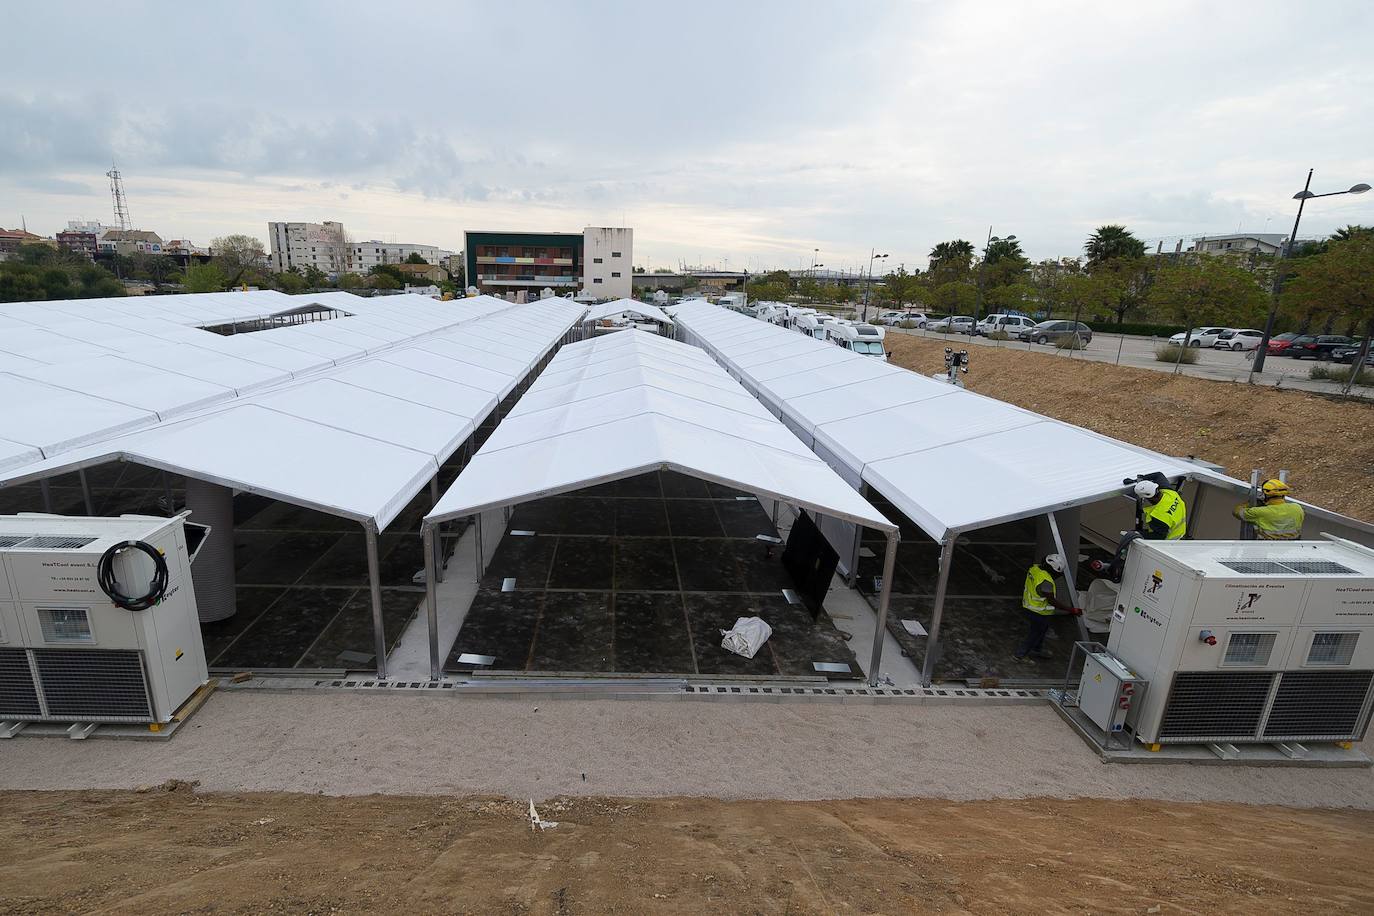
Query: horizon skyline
x=914, y=124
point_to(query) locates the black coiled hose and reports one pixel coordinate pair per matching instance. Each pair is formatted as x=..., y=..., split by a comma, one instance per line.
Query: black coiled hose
x=157, y=587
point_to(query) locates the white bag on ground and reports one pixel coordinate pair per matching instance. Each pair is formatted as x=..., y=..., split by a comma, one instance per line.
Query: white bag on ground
x=745, y=638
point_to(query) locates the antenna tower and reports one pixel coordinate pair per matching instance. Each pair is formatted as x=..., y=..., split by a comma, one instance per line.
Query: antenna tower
x=121, y=207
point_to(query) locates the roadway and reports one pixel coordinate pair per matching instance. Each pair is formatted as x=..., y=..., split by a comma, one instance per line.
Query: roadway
x=1139, y=352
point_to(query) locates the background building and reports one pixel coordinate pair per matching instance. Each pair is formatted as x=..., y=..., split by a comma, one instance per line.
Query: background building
x=1259, y=242
x=320, y=245
x=597, y=261
x=608, y=271
x=511, y=263
x=130, y=242
x=367, y=255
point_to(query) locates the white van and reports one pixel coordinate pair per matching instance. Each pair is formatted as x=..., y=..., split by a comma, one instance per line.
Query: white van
x=864, y=339
x=812, y=326
x=1011, y=325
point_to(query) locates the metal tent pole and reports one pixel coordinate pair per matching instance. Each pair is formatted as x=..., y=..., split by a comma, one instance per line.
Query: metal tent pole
x=86, y=492
x=941, y=585
x=47, y=496
x=436, y=551
x=1069, y=563
x=431, y=598
x=477, y=527
x=374, y=580
x=884, y=598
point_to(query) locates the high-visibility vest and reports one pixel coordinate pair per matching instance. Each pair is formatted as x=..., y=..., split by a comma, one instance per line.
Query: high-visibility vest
x=1277, y=521
x=1171, y=510
x=1031, y=599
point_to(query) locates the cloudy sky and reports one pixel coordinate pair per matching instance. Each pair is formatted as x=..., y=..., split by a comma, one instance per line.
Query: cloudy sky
x=742, y=134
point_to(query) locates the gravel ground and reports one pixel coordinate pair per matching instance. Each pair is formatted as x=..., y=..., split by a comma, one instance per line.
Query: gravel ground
x=350, y=743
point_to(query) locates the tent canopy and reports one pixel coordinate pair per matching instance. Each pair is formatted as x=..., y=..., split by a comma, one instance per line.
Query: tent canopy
x=950, y=459
x=624, y=404
x=627, y=307
x=357, y=439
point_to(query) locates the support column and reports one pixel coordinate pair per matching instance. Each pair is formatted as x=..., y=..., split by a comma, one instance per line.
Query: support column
x=435, y=553
x=480, y=560
x=431, y=598
x=884, y=599
x=374, y=581
x=47, y=496
x=86, y=492
x=1070, y=564
x=213, y=571
x=167, y=494
x=938, y=613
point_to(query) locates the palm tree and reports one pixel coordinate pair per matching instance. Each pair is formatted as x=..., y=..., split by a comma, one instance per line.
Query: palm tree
x=1350, y=232
x=1110, y=242
x=999, y=249
x=951, y=252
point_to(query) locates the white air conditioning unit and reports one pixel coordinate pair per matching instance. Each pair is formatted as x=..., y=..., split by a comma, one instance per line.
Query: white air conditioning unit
x=68, y=651
x=1248, y=641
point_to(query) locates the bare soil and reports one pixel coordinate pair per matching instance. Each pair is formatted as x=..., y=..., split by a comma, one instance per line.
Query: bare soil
x=1326, y=444
x=170, y=849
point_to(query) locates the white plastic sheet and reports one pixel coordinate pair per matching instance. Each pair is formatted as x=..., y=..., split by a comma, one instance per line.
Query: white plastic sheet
x=746, y=637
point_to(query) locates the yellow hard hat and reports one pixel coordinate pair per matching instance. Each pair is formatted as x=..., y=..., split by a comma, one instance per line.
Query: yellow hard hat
x=1274, y=488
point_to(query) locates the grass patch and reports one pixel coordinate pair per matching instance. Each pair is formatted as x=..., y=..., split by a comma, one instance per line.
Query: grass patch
x=1330, y=373
x=1173, y=353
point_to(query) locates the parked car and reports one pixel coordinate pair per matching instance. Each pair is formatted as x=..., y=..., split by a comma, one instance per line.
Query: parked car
x=1242, y=339
x=1010, y=325
x=959, y=324
x=1348, y=354
x=1200, y=337
x=1280, y=344
x=892, y=319
x=1054, y=331
x=1318, y=347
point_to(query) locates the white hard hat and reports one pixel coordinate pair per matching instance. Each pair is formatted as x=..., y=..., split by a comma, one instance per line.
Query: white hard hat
x=1055, y=562
x=1146, y=489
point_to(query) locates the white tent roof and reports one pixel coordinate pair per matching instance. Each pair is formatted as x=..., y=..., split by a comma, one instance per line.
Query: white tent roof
x=948, y=458
x=627, y=306
x=624, y=404
x=357, y=439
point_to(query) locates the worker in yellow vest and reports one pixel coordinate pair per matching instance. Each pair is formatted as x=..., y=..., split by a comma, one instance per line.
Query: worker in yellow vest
x=1278, y=518
x=1163, y=516
x=1039, y=605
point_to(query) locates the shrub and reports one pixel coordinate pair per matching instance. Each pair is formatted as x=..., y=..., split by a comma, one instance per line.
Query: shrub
x=1070, y=342
x=998, y=335
x=1173, y=353
x=908, y=325
x=1325, y=372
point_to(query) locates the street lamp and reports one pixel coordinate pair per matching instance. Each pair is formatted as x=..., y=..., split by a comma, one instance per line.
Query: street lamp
x=1302, y=197
x=868, y=281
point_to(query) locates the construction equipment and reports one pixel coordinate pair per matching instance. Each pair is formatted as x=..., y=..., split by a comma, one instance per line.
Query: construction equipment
x=98, y=620
x=1248, y=642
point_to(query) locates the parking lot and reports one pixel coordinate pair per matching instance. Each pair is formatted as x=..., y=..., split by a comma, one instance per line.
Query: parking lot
x=1133, y=350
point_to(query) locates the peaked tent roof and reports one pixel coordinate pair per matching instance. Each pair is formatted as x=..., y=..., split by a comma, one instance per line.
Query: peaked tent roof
x=356, y=440
x=948, y=458
x=624, y=306
x=623, y=404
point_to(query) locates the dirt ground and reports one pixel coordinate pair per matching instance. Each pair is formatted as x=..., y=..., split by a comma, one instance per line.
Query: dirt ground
x=170, y=849
x=1325, y=443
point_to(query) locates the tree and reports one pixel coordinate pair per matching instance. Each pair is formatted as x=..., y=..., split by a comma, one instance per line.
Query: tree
x=955, y=256
x=314, y=277
x=1112, y=241
x=1130, y=277
x=663, y=270
x=238, y=257
x=902, y=287
x=415, y=258
x=998, y=249
x=290, y=281
x=205, y=278
x=35, y=272
x=1206, y=290
x=954, y=297
x=350, y=280
x=1339, y=282
x=1350, y=232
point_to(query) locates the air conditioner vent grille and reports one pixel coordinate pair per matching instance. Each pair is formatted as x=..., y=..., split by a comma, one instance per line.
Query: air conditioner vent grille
x=65, y=624
x=1247, y=649
x=18, y=697
x=1215, y=704
x=1332, y=648
x=1316, y=705
x=1287, y=568
x=9, y=540
x=53, y=542
x=94, y=684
